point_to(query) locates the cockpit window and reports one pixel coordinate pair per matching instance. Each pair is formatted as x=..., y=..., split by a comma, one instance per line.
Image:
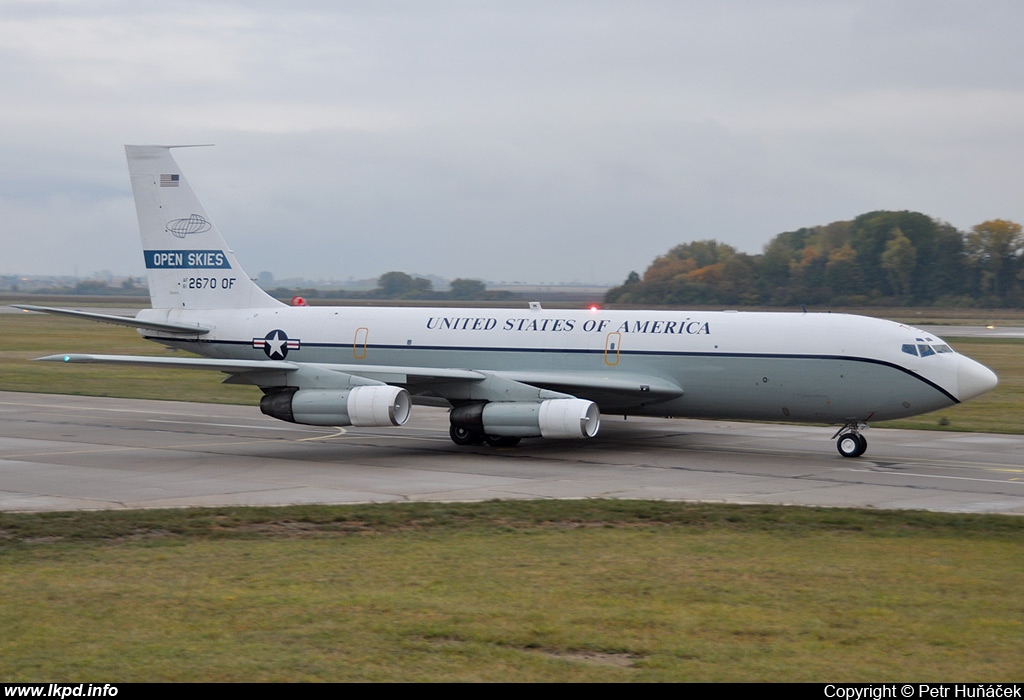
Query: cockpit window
x=924, y=350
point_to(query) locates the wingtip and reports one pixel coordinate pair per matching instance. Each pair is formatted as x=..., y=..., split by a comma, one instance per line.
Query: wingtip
x=58, y=358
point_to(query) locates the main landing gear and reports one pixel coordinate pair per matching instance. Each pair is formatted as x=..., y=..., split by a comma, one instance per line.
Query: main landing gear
x=464, y=436
x=851, y=443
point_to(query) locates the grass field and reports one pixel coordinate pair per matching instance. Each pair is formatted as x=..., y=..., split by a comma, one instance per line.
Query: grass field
x=26, y=336
x=523, y=591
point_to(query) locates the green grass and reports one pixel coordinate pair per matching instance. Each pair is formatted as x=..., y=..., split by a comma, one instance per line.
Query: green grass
x=27, y=336
x=527, y=591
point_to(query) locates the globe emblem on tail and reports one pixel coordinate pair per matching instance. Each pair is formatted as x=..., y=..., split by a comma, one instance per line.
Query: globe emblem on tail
x=187, y=226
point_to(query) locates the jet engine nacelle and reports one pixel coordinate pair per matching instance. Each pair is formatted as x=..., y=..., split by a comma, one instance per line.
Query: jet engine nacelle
x=554, y=418
x=362, y=406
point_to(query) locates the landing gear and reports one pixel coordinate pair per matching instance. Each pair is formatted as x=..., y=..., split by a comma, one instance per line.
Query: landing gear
x=464, y=436
x=501, y=441
x=851, y=443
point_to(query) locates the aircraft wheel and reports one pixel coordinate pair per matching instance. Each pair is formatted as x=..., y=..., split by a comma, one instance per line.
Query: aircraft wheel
x=464, y=436
x=851, y=445
x=501, y=441
x=863, y=444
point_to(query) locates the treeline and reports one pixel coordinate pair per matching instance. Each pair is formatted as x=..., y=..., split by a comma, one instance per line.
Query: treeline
x=879, y=258
x=127, y=287
x=402, y=286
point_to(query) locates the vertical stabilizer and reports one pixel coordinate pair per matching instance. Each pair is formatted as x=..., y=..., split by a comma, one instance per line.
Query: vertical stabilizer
x=188, y=264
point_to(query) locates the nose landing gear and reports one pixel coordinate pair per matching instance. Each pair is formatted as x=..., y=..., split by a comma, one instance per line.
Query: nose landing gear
x=851, y=443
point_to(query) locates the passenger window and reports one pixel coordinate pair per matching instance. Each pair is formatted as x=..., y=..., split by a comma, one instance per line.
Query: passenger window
x=926, y=350
x=910, y=349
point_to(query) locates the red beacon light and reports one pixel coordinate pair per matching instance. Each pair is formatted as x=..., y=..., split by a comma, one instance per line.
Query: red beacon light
x=299, y=301
x=594, y=308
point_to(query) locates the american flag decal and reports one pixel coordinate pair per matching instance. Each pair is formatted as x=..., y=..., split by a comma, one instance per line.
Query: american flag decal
x=169, y=180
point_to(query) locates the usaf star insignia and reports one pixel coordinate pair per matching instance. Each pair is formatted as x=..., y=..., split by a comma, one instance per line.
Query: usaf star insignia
x=276, y=344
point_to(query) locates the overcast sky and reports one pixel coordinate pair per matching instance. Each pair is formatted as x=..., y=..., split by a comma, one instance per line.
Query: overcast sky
x=555, y=141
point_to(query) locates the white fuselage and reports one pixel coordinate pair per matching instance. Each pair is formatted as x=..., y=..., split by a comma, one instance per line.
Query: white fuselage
x=829, y=368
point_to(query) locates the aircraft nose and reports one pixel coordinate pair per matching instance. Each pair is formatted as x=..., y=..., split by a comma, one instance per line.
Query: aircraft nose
x=974, y=379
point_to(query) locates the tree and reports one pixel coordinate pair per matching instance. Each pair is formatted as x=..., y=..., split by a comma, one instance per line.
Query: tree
x=807, y=277
x=842, y=272
x=941, y=267
x=995, y=248
x=702, y=253
x=419, y=288
x=467, y=289
x=871, y=259
x=872, y=232
x=899, y=259
x=394, y=284
x=399, y=285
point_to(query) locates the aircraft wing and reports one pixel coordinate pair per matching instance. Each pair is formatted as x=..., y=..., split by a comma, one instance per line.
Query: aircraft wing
x=395, y=374
x=635, y=386
x=607, y=389
x=182, y=328
x=229, y=366
x=403, y=374
x=582, y=382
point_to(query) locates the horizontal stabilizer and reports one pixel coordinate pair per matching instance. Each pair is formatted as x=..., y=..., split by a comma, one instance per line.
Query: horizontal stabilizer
x=179, y=328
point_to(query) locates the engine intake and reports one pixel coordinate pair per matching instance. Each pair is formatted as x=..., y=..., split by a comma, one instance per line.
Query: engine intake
x=362, y=406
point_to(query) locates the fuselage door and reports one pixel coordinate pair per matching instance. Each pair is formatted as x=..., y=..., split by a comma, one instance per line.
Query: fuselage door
x=612, y=343
x=359, y=343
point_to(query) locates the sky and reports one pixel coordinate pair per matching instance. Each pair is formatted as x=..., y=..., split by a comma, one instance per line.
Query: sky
x=563, y=141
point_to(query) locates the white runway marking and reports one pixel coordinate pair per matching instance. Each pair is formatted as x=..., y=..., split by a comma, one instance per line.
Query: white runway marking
x=296, y=429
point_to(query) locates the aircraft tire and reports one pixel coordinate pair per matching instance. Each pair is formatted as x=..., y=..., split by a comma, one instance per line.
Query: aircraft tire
x=863, y=444
x=851, y=445
x=464, y=436
x=501, y=441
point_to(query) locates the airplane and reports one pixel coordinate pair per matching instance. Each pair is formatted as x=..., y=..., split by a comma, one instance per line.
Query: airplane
x=512, y=373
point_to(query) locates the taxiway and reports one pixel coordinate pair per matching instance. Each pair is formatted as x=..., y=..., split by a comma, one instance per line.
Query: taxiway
x=72, y=452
